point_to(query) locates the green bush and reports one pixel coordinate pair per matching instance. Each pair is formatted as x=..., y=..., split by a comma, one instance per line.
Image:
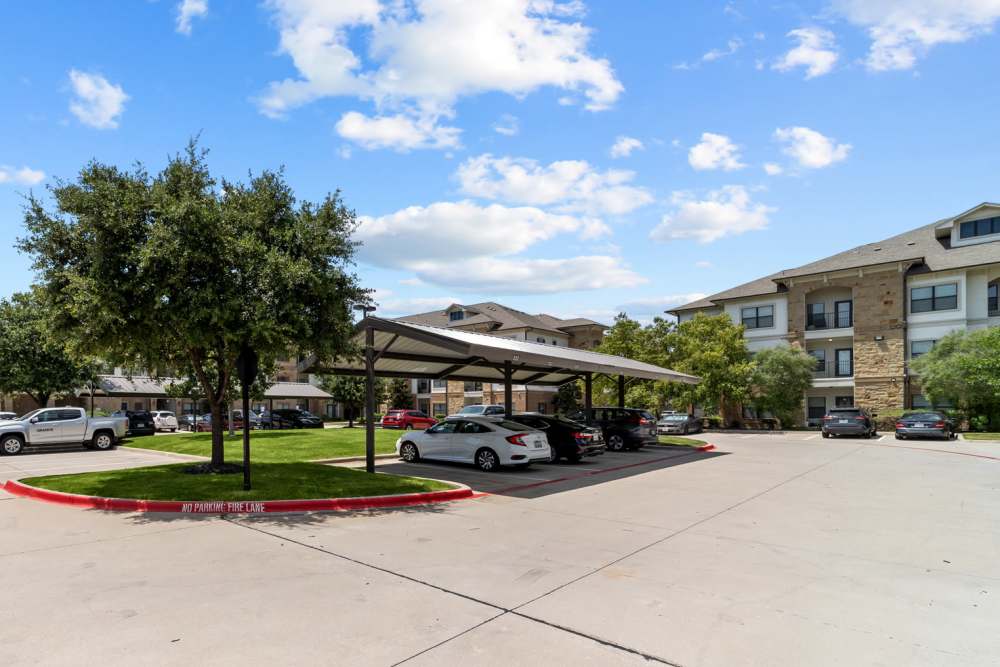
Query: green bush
x=439, y=417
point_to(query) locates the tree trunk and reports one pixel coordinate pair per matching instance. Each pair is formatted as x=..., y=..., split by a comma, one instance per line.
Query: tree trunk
x=42, y=400
x=218, y=443
x=350, y=417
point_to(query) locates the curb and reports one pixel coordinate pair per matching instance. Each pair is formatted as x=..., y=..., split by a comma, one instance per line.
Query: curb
x=707, y=447
x=236, y=506
x=353, y=459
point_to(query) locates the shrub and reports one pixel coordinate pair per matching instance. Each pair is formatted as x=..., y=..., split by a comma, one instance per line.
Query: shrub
x=439, y=417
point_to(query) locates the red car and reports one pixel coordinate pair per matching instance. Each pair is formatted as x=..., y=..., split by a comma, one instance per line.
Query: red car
x=205, y=423
x=407, y=419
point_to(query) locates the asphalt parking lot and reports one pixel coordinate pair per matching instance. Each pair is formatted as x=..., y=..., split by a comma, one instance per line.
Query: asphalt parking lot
x=772, y=550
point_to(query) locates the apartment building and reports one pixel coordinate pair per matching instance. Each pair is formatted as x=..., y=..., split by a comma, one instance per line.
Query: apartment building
x=866, y=313
x=436, y=397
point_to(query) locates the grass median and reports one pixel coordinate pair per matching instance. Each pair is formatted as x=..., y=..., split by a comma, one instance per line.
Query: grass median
x=271, y=481
x=680, y=441
x=276, y=446
x=982, y=436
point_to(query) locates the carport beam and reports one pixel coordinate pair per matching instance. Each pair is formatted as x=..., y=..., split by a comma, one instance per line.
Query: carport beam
x=508, y=389
x=588, y=397
x=621, y=391
x=370, y=399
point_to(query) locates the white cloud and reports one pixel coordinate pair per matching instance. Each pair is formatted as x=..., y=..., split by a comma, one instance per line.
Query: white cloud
x=732, y=46
x=816, y=52
x=703, y=264
x=399, y=132
x=715, y=151
x=773, y=168
x=530, y=276
x=810, y=148
x=728, y=211
x=903, y=30
x=571, y=185
x=22, y=176
x=624, y=146
x=420, y=57
x=507, y=125
x=187, y=11
x=96, y=101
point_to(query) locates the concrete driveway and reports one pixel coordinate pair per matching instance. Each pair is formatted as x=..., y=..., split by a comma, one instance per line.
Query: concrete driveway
x=782, y=550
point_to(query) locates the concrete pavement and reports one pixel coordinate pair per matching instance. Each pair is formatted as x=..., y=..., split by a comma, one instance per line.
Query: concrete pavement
x=778, y=551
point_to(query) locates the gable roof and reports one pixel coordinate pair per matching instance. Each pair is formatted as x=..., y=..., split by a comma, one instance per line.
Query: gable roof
x=917, y=245
x=502, y=317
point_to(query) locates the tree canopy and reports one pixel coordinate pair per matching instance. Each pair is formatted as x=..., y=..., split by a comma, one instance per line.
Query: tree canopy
x=781, y=376
x=399, y=394
x=31, y=362
x=963, y=369
x=349, y=391
x=178, y=271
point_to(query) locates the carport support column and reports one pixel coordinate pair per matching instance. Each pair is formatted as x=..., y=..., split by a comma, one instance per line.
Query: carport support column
x=370, y=399
x=588, y=398
x=508, y=389
x=621, y=391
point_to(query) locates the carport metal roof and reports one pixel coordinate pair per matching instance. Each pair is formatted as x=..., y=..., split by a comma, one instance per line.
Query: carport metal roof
x=407, y=350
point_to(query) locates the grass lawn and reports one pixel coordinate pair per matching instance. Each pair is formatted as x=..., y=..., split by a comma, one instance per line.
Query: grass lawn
x=271, y=481
x=982, y=436
x=276, y=446
x=678, y=440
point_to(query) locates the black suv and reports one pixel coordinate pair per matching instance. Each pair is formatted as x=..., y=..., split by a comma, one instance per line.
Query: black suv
x=289, y=418
x=567, y=439
x=623, y=428
x=140, y=422
x=849, y=421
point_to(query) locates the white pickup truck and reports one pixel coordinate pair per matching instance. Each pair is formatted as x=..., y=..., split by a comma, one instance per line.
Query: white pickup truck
x=60, y=426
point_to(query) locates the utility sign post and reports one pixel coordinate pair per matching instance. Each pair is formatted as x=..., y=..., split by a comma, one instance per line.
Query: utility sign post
x=246, y=368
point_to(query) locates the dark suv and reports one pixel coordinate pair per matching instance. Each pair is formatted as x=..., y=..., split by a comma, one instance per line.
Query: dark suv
x=849, y=421
x=140, y=422
x=288, y=418
x=623, y=428
x=568, y=439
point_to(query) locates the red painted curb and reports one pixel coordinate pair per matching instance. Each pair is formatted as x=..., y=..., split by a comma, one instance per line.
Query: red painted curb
x=705, y=448
x=234, y=506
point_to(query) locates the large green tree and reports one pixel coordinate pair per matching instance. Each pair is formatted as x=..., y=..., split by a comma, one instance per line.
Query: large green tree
x=31, y=361
x=399, y=393
x=629, y=338
x=781, y=376
x=963, y=369
x=178, y=271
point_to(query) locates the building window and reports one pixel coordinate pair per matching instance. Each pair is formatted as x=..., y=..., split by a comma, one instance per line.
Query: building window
x=983, y=227
x=473, y=386
x=758, y=317
x=844, y=401
x=921, y=347
x=817, y=407
x=539, y=340
x=820, y=356
x=844, y=314
x=423, y=386
x=993, y=302
x=456, y=315
x=542, y=408
x=439, y=384
x=920, y=401
x=440, y=408
x=845, y=362
x=816, y=316
x=938, y=297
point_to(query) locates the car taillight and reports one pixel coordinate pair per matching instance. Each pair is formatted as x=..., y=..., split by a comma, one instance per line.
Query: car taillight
x=939, y=425
x=900, y=425
x=827, y=418
x=583, y=436
x=645, y=422
x=859, y=418
x=517, y=439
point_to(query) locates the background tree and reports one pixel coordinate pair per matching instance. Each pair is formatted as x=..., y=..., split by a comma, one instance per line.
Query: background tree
x=713, y=348
x=30, y=361
x=650, y=344
x=781, y=376
x=963, y=369
x=568, y=399
x=177, y=271
x=399, y=394
x=349, y=391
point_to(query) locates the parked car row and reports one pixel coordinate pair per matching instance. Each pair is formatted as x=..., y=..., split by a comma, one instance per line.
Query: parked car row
x=861, y=422
x=281, y=418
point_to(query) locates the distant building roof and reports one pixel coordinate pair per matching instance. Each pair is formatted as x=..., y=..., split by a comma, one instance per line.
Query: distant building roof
x=929, y=244
x=147, y=387
x=498, y=317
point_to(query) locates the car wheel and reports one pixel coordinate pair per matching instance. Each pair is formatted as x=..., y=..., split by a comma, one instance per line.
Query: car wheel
x=900, y=437
x=826, y=435
x=12, y=445
x=553, y=455
x=103, y=441
x=685, y=431
x=409, y=427
x=616, y=443
x=487, y=460
x=408, y=452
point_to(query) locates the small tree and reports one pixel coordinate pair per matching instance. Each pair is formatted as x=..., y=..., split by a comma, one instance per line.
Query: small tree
x=568, y=399
x=400, y=396
x=963, y=369
x=781, y=376
x=179, y=272
x=30, y=362
x=349, y=391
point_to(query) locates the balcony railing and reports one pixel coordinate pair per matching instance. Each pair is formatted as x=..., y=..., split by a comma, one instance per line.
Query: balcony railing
x=820, y=321
x=834, y=369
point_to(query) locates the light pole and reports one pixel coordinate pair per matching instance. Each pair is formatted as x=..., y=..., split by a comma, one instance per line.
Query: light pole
x=365, y=309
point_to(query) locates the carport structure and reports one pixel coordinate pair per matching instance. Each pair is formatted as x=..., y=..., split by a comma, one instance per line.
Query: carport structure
x=395, y=349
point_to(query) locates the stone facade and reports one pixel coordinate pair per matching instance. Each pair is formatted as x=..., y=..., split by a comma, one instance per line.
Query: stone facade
x=879, y=320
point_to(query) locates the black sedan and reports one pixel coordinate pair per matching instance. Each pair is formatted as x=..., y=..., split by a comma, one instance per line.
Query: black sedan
x=925, y=425
x=288, y=418
x=568, y=439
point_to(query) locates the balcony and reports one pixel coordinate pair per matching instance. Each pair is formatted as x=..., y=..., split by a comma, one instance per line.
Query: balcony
x=834, y=373
x=824, y=321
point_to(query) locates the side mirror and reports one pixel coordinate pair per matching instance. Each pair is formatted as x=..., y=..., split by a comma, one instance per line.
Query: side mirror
x=33, y=420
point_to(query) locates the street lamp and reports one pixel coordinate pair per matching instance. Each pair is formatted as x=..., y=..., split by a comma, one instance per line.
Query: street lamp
x=365, y=309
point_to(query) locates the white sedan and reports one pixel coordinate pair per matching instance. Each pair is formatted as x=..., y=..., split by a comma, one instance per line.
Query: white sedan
x=486, y=442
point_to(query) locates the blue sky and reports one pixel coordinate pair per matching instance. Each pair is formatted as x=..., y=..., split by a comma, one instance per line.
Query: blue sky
x=477, y=140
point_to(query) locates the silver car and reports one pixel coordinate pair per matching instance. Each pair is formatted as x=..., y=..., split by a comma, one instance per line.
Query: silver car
x=677, y=423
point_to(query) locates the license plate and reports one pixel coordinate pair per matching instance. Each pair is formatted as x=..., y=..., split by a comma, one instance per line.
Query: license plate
x=538, y=445
x=918, y=425
x=843, y=421
x=140, y=424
